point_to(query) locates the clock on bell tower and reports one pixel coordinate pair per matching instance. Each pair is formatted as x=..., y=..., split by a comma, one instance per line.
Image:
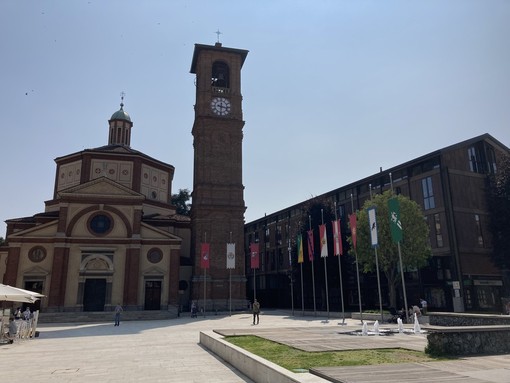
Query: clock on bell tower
x=217, y=212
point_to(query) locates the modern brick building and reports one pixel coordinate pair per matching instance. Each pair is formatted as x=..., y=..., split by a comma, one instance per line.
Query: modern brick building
x=450, y=186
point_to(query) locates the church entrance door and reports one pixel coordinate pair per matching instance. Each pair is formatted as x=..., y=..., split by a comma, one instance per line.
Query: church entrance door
x=94, y=294
x=152, y=295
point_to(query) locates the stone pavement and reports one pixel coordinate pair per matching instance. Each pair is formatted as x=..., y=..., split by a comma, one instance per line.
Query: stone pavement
x=168, y=351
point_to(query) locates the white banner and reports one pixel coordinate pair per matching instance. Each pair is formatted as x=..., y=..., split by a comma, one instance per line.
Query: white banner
x=373, y=226
x=231, y=255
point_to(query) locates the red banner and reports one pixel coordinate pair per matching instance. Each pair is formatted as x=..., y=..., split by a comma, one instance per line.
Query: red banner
x=204, y=256
x=254, y=255
x=337, y=236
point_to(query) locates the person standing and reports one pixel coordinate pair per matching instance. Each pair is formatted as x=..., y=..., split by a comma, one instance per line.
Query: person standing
x=423, y=303
x=118, y=310
x=256, y=311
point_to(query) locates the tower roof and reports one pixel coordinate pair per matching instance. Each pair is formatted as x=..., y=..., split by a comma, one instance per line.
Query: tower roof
x=121, y=114
x=217, y=47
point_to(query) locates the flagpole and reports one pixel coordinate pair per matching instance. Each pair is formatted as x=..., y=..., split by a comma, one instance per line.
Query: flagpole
x=325, y=265
x=205, y=274
x=302, y=292
x=313, y=272
x=357, y=269
x=376, y=260
x=291, y=274
x=340, y=268
x=401, y=265
x=230, y=283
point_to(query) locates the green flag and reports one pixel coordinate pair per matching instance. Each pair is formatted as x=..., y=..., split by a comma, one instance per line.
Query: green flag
x=395, y=223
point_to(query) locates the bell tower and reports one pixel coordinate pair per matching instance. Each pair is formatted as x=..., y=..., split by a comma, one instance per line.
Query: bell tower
x=217, y=212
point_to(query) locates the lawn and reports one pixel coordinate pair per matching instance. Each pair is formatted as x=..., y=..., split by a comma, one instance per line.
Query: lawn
x=297, y=360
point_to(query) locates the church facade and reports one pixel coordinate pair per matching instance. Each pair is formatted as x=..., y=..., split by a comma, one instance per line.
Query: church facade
x=109, y=235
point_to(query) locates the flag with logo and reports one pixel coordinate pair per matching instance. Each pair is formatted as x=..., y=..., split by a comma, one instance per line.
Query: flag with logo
x=337, y=237
x=372, y=221
x=324, y=240
x=231, y=255
x=204, y=256
x=254, y=253
x=354, y=230
x=395, y=223
x=310, y=245
x=300, y=248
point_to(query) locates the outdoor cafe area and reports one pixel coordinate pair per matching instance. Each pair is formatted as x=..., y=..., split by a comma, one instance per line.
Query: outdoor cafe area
x=15, y=327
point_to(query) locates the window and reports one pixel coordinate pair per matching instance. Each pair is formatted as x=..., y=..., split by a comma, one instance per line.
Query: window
x=100, y=224
x=437, y=227
x=472, y=160
x=479, y=230
x=428, y=193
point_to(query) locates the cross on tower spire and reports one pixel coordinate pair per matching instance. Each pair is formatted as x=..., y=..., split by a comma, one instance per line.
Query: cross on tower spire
x=218, y=33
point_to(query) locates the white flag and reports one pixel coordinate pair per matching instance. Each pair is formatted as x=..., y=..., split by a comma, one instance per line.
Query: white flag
x=231, y=255
x=373, y=226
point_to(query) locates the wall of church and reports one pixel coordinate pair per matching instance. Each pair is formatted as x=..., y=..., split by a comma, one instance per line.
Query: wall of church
x=118, y=171
x=155, y=184
x=69, y=175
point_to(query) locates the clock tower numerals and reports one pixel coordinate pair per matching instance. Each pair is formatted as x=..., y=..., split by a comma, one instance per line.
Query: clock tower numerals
x=220, y=106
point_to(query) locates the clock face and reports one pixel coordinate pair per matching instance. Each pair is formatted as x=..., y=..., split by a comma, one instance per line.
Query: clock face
x=220, y=106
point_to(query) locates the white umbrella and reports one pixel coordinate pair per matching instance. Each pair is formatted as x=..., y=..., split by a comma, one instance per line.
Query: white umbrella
x=14, y=294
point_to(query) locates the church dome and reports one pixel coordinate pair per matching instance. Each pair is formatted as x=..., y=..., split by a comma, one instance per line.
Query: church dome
x=121, y=114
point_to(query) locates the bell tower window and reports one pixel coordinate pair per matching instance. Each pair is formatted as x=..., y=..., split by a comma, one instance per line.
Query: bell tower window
x=220, y=75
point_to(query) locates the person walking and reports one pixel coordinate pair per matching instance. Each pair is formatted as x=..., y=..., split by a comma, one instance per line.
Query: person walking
x=118, y=310
x=256, y=311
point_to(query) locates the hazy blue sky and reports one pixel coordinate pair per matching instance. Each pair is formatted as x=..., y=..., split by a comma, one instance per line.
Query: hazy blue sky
x=332, y=89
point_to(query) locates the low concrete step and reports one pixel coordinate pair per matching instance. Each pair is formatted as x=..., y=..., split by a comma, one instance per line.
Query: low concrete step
x=103, y=316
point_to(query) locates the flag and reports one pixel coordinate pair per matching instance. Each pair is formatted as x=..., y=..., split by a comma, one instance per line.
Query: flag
x=254, y=252
x=337, y=237
x=324, y=240
x=231, y=255
x=204, y=256
x=310, y=245
x=395, y=224
x=354, y=234
x=300, y=248
x=373, y=226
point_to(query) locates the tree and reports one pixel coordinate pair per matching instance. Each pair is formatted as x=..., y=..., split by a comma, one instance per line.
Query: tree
x=415, y=247
x=499, y=217
x=2, y=241
x=181, y=202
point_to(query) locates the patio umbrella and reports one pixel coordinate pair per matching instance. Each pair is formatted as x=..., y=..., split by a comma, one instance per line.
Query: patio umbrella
x=14, y=294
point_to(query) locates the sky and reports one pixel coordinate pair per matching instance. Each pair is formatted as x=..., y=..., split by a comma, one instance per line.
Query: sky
x=333, y=90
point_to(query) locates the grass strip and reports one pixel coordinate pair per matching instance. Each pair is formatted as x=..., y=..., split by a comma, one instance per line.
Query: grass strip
x=295, y=360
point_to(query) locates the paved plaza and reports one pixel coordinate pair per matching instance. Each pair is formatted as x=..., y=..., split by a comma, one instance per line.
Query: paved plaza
x=169, y=351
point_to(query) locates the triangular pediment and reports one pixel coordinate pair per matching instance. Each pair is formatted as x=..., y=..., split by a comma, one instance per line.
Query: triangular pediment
x=154, y=271
x=46, y=230
x=36, y=271
x=102, y=186
x=151, y=232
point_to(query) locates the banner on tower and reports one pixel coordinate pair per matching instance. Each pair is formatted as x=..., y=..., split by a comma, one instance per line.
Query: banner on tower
x=231, y=255
x=204, y=256
x=254, y=255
